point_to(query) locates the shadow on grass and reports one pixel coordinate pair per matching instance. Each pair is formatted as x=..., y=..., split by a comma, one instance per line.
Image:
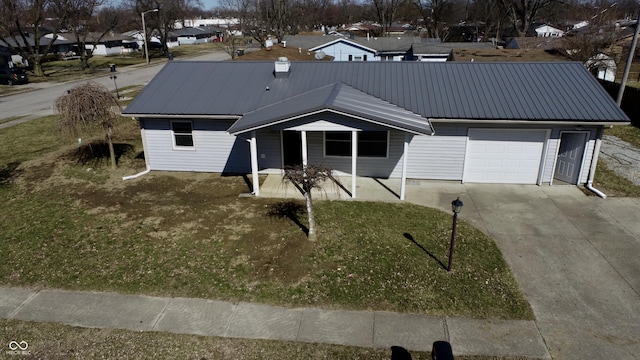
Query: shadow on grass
x=291, y=210
x=9, y=172
x=410, y=238
x=96, y=153
x=400, y=353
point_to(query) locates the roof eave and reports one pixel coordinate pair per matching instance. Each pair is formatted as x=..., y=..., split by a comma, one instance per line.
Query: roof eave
x=183, y=116
x=352, y=115
x=531, y=122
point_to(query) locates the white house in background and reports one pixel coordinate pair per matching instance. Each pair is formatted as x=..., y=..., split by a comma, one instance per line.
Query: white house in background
x=372, y=48
x=219, y=22
x=548, y=31
x=603, y=67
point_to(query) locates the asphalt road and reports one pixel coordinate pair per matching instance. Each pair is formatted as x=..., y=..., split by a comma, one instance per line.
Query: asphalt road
x=38, y=102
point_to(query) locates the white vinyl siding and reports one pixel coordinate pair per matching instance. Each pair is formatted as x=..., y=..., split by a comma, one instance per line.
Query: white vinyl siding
x=438, y=157
x=269, y=154
x=216, y=151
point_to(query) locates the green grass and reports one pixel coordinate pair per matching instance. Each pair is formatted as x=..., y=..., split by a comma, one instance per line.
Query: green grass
x=608, y=180
x=81, y=227
x=29, y=140
x=628, y=133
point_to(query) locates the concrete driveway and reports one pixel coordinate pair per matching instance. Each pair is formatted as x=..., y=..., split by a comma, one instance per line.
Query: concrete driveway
x=576, y=257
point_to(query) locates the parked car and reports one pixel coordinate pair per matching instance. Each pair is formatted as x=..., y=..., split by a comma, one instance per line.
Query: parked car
x=13, y=76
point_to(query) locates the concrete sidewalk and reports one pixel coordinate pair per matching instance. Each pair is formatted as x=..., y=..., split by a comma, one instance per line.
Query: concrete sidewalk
x=259, y=321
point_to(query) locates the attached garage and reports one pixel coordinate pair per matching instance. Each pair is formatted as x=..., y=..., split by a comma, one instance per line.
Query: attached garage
x=504, y=156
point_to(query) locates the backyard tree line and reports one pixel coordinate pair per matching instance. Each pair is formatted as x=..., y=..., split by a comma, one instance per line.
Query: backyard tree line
x=88, y=21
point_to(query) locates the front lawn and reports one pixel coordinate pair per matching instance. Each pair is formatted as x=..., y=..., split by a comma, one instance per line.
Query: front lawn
x=81, y=227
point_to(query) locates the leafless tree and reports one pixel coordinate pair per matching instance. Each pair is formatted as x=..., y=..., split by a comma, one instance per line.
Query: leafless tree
x=521, y=13
x=163, y=21
x=593, y=44
x=86, y=29
x=88, y=107
x=307, y=178
x=488, y=12
x=21, y=28
x=386, y=11
x=435, y=14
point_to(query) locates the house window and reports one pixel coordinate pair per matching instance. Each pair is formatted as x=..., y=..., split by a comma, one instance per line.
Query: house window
x=370, y=143
x=182, y=134
x=337, y=143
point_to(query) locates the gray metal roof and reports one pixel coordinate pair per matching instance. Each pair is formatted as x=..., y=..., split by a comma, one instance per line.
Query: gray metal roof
x=339, y=98
x=448, y=90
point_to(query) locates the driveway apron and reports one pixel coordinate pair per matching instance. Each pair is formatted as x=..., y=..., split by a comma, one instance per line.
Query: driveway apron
x=576, y=257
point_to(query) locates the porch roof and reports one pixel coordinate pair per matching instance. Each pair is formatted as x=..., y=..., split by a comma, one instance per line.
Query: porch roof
x=339, y=98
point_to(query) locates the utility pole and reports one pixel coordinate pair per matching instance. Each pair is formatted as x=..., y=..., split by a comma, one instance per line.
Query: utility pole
x=627, y=68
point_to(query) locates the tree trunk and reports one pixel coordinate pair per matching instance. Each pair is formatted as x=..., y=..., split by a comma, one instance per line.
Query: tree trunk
x=112, y=153
x=37, y=68
x=312, y=222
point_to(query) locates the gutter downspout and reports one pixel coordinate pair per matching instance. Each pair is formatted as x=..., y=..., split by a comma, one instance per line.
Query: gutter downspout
x=137, y=175
x=594, y=162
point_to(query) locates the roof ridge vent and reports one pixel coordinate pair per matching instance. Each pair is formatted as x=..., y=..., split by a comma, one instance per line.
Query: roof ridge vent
x=283, y=65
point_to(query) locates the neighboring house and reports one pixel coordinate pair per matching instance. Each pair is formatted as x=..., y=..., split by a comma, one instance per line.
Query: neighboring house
x=603, y=67
x=511, y=123
x=197, y=35
x=110, y=44
x=372, y=48
x=548, y=31
x=219, y=22
x=154, y=40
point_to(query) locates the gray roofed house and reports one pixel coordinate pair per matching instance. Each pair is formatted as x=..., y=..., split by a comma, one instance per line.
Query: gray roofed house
x=373, y=48
x=519, y=123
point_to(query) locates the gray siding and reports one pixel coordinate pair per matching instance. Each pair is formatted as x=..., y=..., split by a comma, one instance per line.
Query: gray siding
x=438, y=157
x=269, y=151
x=214, y=150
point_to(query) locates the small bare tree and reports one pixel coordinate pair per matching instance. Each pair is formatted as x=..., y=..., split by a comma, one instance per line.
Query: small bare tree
x=306, y=178
x=87, y=107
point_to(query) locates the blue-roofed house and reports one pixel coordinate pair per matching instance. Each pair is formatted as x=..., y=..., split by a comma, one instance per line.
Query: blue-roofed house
x=514, y=123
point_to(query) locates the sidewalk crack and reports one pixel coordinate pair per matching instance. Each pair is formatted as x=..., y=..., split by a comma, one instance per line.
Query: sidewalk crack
x=24, y=303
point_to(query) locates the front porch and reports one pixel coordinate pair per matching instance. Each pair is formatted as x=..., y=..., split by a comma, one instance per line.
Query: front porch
x=368, y=189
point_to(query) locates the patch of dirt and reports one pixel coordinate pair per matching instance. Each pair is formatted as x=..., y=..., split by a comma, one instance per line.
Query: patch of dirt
x=173, y=207
x=507, y=55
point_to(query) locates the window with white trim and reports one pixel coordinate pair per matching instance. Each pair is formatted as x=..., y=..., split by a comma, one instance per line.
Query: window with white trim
x=182, y=134
x=370, y=143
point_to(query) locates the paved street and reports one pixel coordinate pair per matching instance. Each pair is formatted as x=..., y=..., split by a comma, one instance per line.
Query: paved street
x=38, y=103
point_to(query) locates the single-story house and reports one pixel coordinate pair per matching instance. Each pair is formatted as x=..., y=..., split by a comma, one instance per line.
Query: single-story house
x=548, y=31
x=197, y=35
x=373, y=48
x=513, y=123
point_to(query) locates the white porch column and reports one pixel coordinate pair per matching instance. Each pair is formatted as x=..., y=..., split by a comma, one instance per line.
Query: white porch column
x=303, y=137
x=253, y=144
x=405, y=155
x=354, y=157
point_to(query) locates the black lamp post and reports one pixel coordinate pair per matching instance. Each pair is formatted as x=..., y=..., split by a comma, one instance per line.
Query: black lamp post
x=114, y=83
x=456, y=206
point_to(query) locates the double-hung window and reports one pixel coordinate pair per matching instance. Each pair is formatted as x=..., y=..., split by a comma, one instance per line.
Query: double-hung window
x=370, y=143
x=182, y=134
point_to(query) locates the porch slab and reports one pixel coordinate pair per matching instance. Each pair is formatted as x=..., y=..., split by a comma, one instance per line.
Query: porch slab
x=367, y=189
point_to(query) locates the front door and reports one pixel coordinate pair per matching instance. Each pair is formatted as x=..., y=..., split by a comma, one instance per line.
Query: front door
x=291, y=148
x=570, y=157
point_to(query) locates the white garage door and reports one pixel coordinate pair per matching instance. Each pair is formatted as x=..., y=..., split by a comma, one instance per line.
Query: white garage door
x=504, y=156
